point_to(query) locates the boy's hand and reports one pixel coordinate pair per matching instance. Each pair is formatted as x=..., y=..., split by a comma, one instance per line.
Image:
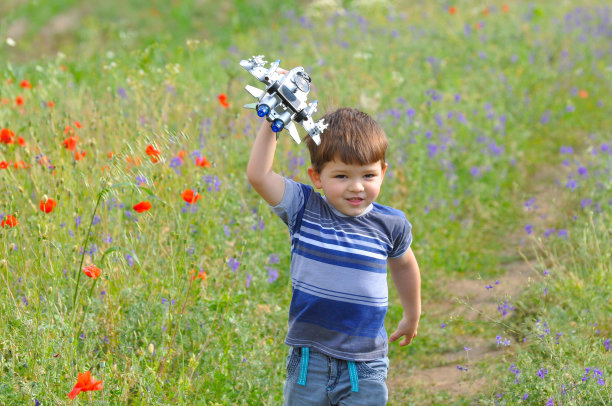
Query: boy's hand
x=406, y=329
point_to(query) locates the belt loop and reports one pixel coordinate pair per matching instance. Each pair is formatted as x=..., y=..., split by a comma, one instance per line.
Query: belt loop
x=304, y=366
x=353, y=376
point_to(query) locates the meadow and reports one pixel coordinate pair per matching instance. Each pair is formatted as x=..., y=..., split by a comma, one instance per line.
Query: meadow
x=133, y=247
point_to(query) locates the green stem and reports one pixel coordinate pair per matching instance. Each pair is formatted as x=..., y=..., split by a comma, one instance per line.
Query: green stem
x=76, y=288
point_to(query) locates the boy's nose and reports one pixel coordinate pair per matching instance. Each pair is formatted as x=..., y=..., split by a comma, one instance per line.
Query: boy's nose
x=356, y=186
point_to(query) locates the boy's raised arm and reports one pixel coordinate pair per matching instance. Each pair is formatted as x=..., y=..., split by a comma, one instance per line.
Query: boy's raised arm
x=269, y=184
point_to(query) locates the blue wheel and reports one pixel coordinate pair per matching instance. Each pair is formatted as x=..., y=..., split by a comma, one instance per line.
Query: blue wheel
x=277, y=125
x=263, y=110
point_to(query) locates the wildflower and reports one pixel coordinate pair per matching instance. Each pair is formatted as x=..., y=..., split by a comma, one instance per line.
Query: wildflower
x=25, y=84
x=542, y=373
x=233, y=263
x=223, y=100
x=9, y=221
x=47, y=204
x=19, y=100
x=50, y=103
x=201, y=275
x=607, y=344
x=272, y=274
x=21, y=142
x=452, y=10
x=92, y=271
x=78, y=155
x=84, y=384
x=203, y=162
x=3, y=164
x=152, y=152
x=142, y=206
x=190, y=196
x=6, y=136
x=70, y=143
x=550, y=402
x=583, y=94
x=505, y=8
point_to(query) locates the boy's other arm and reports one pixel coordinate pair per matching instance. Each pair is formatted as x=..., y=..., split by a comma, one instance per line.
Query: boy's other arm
x=407, y=279
x=269, y=184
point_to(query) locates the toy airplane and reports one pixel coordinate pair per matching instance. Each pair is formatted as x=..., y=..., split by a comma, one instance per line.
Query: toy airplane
x=284, y=99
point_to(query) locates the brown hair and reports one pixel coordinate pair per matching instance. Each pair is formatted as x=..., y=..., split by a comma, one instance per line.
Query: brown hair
x=352, y=137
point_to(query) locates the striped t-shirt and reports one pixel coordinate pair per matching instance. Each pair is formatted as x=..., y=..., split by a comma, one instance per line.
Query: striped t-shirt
x=339, y=273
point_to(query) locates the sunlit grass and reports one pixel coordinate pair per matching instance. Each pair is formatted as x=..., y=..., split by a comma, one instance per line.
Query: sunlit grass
x=475, y=105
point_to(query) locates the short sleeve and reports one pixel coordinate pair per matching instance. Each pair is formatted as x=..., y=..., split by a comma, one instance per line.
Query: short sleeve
x=402, y=239
x=291, y=204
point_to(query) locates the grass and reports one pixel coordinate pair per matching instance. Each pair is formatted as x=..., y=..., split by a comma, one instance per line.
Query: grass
x=477, y=106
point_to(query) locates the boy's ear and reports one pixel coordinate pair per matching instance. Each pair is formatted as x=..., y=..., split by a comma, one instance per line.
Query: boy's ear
x=384, y=169
x=315, y=177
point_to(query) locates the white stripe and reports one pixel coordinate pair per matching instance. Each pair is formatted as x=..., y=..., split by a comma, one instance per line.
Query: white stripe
x=338, y=296
x=376, y=244
x=334, y=247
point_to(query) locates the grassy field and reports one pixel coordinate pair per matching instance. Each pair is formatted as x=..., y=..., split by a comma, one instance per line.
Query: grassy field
x=499, y=120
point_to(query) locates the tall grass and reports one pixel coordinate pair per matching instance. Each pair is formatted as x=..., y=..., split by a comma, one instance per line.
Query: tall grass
x=191, y=304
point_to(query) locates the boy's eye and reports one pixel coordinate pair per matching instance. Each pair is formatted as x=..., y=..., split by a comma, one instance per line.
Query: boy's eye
x=340, y=176
x=369, y=176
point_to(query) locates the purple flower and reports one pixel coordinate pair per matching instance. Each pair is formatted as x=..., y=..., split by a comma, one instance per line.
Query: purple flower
x=121, y=92
x=272, y=274
x=249, y=278
x=584, y=172
x=529, y=228
x=566, y=150
x=542, y=373
x=525, y=396
x=233, y=264
x=607, y=344
x=550, y=402
x=273, y=259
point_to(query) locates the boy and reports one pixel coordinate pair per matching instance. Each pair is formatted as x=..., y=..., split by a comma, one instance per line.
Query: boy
x=341, y=244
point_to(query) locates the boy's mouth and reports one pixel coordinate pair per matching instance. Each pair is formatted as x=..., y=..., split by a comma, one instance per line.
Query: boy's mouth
x=355, y=201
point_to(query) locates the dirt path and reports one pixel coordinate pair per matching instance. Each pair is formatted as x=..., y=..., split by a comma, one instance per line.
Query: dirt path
x=477, y=300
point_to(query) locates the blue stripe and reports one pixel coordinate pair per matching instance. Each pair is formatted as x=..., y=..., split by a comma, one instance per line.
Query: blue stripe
x=342, y=254
x=355, y=235
x=332, y=261
x=340, y=298
x=335, y=291
x=348, y=318
x=345, y=244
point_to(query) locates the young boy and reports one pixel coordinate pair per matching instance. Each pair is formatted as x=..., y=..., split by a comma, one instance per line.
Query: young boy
x=341, y=245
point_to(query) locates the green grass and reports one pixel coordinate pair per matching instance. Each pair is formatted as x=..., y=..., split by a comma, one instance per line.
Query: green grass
x=476, y=118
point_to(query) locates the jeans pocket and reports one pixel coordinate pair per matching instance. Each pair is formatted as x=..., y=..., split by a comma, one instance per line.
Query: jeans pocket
x=293, y=361
x=375, y=370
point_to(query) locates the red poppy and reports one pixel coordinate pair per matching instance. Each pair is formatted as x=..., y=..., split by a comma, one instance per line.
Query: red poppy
x=84, y=384
x=452, y=10
x=19, y=100
x=505, y=8
x=79, y=155
x=92, y=271
x=223, y=100
x=6, y=136
x=201, y=275
x=583, y=94
x=77, y=124
x=9, y=221
x=21, y=141
x=203, y=162
x=70, y=143
x=190, y=196
x=3, y=164
x=153, y=153
x=50, y=103
x=142, y=206
x=47, y=204
x=25, y=84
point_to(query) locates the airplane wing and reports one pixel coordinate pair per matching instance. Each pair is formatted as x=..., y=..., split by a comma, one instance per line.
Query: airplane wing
x=293, y=132
x=255, y=92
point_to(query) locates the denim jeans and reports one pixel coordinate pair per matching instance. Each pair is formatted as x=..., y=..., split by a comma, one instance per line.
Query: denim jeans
x=328, y=381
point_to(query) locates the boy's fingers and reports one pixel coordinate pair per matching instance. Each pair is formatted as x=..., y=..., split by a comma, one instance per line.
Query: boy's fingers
x=396, y=334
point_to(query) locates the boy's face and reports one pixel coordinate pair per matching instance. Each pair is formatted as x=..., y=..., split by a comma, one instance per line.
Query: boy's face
x=349, y=188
